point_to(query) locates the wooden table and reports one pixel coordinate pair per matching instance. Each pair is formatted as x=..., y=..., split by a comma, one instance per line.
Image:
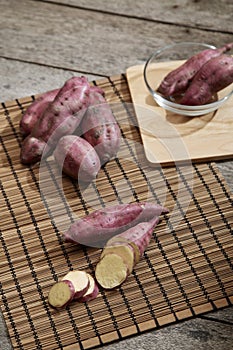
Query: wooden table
x=43, y=43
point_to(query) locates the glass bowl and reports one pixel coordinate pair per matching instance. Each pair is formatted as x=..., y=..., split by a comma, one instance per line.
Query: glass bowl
x=162, y=61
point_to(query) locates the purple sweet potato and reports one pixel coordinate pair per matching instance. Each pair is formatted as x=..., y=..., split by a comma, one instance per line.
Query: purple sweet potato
x=140, y=234
x=215, y=75
x=97, y=89
x=80, y=281
x=178, y=80
x=100, y=128
x=99, y=226
x=60, y=118
x=77, y=158
x=114, y=267
x=61, y=294
x=92, y=291
x=35, y=110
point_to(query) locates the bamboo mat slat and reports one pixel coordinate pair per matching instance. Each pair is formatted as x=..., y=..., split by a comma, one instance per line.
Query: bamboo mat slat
x=186, y=270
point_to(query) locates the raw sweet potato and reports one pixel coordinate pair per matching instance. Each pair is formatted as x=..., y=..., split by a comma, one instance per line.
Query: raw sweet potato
x=35, y=110
x=100, y=128
x=178, y=80
x=141, y=234
x=114, y=267
x=111, y=271
x=76, y=285
x=99, y=226
x=92, y=291
x=119, y=239
x=214, y=76
x=123, y=249
x=61, y=294
x=37, y=107
x=61, y=118
x=77, y=158
x=80, y=281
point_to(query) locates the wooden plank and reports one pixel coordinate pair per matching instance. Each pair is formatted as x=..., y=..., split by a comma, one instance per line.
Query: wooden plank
x=19, y=79
x=197, y=14
x=41, y=35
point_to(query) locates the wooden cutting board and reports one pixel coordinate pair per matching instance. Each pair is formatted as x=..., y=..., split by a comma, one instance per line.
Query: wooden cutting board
x=170, y=138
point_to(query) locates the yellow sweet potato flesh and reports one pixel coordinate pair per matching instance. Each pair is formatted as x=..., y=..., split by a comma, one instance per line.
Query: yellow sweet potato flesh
x=111, y=271
x=122, y=250
x=80, y=281
x=60, y=294
x=122, y=240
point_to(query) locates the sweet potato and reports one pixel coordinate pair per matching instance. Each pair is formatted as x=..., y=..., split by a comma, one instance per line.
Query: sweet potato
x=122, y=240
x=111, y=271
x=141, y=234
x=80, y=281
x=99, y=226
x=77, y=158
x=37, y=107
x=35, y=110
x=100, y=128
x=92, y=292
x=178, y=80
x=123, y=249
x=61, y=294
x=61, y=118
x=114, y=267
x=214, y=76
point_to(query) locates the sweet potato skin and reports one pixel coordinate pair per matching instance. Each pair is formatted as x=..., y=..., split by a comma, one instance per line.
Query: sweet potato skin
x=61, y=118
x=100, y=128
x=178, y=80
x=35, y=110
x=108, y=265
x=99, y=226
x=141, y=233
x=77, y=158
x=61, y=294
x=92, y=292
x=214, y=76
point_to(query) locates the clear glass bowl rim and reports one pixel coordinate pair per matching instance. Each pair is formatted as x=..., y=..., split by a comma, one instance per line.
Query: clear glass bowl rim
x=173, y=105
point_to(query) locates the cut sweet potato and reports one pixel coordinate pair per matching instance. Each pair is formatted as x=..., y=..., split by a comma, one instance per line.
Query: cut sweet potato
x=141, y=234
x=92, y=291
x=122, y=249
x=96, y=228
x=136, y=250
x=116, y=239
x=111, y=271
x=61, y=294
x=122, y=240
x=80, y=281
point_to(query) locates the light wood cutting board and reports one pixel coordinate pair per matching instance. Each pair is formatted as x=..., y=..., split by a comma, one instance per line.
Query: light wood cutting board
x=170, y=138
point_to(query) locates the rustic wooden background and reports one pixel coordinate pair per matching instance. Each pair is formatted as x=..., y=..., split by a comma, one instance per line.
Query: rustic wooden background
x=42, y=43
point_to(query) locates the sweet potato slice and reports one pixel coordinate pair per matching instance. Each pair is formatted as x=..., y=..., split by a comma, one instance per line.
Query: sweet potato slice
x=92, y=291
x=111, y=271
x=136, y=250
x=122, y=249
x=61, y=294
x=80, y=281
x=119, y=239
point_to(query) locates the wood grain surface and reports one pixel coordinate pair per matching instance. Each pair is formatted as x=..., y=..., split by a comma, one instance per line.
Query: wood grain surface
x=42, y=43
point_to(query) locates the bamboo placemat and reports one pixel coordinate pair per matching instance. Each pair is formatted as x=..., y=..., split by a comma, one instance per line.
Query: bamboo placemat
x=186, y=270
